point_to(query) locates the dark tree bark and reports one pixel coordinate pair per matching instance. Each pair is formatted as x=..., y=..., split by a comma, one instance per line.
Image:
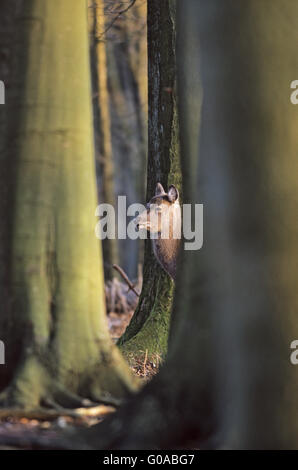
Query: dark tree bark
x=7, y=122
x=149, y=326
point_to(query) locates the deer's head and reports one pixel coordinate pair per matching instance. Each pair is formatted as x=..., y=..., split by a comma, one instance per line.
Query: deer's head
x=162, y=217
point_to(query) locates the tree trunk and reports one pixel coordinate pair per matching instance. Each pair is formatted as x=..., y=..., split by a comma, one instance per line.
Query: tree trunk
x=7, y=36
x=105, y=154
x=249, y=187
x=149, y=326
x=135, y=49
x=55, y=332
x=128, y=92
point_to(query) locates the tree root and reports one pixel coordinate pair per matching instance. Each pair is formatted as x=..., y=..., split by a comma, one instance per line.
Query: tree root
x=34, y=387
x=44, y=414
x=35, y=393
x=68, y=399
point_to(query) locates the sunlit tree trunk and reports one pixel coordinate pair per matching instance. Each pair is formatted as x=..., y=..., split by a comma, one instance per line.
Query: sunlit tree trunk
x=55, y=332
x=148, y=330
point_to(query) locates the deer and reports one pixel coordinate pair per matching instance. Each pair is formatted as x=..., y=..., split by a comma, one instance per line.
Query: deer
x=162, y=219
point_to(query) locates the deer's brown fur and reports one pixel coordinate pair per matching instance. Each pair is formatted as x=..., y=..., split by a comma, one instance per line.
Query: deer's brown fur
x=162, y=219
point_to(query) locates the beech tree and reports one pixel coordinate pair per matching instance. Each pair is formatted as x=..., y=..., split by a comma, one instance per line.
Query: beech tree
x=53, y=324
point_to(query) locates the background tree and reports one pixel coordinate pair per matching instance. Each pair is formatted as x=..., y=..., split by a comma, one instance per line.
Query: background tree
x=135, y=48
x=104, y=141
x=7, y=30
x=54, y=326
x=124, y=40
x=149, y=326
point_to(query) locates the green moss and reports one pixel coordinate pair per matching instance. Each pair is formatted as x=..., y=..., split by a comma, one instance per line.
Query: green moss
x=153, y=336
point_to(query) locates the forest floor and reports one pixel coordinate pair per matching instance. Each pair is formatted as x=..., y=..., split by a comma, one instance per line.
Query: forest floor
x=142, y=368
x=31, y=424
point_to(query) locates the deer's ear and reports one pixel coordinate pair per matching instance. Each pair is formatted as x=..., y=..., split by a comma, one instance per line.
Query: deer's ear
x=159, y=189
x=173, y=194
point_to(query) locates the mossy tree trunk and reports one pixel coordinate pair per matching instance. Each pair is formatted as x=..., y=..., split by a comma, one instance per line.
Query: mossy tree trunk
x=149, y=326
x=56, y=339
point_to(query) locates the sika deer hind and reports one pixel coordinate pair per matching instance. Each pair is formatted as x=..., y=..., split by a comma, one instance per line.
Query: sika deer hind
x=162, y=219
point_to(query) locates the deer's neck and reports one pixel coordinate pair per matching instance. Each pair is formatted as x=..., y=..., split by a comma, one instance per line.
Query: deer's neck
x=166, y=250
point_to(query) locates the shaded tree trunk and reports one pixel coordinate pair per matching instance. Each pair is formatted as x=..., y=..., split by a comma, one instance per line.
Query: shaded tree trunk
x=249, y=145
x=149, y=326
x=55, y=333
x=7, y=44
